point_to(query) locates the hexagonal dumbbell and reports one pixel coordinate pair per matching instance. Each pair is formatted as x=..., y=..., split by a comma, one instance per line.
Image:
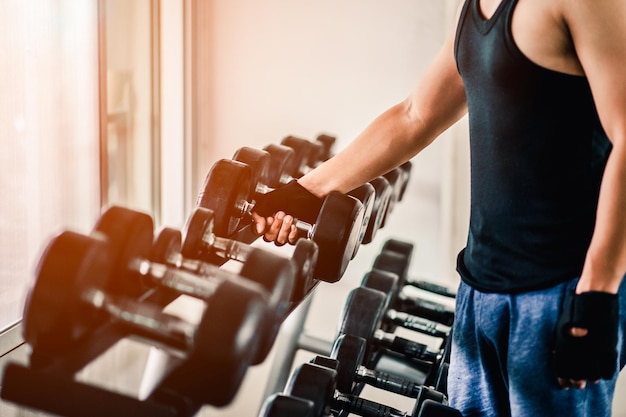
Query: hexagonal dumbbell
x=77, y=290
x=228, y=191
x=273, y=272
x=201, y=243
x=307, y=154
x=260, y=162
x=349, y=351
x=397, y=261
x=388, y=282
x=280, y=405
x=362, y=315
x=317, y=384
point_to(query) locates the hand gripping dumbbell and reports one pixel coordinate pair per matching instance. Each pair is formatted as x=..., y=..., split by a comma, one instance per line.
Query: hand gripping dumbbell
x=228, y=189
x=317, y=384
x=259, y=161
x=398, y=262
x=77, y=290
x=274, y=273
x=201, y=243
x=349, y=351
x=361, y=317
x=388, y=282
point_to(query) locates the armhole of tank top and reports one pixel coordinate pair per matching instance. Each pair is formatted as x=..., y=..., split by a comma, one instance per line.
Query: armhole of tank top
x=459, y=28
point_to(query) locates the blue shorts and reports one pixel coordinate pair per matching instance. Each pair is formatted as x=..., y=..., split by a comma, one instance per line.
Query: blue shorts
x=500, y=361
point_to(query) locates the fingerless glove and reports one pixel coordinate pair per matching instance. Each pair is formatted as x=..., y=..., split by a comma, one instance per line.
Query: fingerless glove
x=293, y=199
x=593, y=356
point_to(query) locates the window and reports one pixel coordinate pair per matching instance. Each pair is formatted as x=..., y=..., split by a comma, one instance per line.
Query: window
x=49, y=131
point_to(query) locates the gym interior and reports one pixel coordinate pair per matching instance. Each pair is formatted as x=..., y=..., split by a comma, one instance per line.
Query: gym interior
x=131, y=103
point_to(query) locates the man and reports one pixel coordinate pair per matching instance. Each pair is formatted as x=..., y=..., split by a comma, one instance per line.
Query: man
x=539, y=329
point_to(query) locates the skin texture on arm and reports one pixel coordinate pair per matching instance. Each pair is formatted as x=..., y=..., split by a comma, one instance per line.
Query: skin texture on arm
x=394, y=137
x=599, y=33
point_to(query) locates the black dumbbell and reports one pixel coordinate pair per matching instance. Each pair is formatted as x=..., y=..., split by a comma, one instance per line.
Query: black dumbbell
x=361, y=316
x=280, y=405
x=201, y=243
x=388, y=282
x=317, y=384
x=398, y=263
x=131, y=231
x=307, y=154
x=274, y=273
x=327, y=142
x=349, y=351
x=259, y=162
x=282, y=163
x=77, y=290
x=228, y=188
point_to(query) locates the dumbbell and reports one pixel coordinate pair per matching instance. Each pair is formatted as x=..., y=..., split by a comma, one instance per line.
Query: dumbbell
x=370, y=195
x=274, y=273
x=132, y=232
x=349, y=351
x=327, y=142
x=317, y=384
x=228, y=188
x=388, y=282
x=77, y=290
x=201, y=243
x=398, y=263
x=361, y=317
x=307, y=154
x=280, y=405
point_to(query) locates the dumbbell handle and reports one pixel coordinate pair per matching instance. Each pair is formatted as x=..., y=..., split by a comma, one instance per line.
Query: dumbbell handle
x=408, y=348
x=415, y=323
x=425, y=308
x=432, y=287
x=363, y=407
x=308, y=229
x=228, y=248
x=199, y=279
x=388, y=382
x=146, y=320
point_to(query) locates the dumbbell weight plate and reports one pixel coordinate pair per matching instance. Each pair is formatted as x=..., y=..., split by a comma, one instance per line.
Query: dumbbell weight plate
x=366, y=194
x=400, y=246
x=382, y=191
x=282, y=163
x=130, y=234
x=256, y=159
x=406, y=175
x=327, y=142
x=349, y=351
x=362, y=313
x=224, y=345
x=430, y=408
x=337, y=230
x=279, y=405
x=277, y=275
x=394, y=177
x=199, y=224
x=54, y=316
x=394, y=262
x=314, y=383
x=305, y=255
x=168, y=242
x=302, y=149
x=384, y=281
x=227, y=184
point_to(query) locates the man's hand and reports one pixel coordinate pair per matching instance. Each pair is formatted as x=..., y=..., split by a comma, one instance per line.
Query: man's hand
x=586, y=339
x=275, y=213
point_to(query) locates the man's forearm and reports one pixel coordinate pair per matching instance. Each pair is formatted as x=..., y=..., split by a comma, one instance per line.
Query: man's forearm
x=605, y=264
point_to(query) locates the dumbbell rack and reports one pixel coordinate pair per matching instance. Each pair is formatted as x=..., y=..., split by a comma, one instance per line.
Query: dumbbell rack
x=48, y=381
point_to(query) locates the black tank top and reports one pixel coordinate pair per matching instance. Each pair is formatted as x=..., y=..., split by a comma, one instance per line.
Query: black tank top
x=537, y=156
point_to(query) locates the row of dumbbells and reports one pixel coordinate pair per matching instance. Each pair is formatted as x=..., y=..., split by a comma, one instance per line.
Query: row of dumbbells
x=330, y=385
x=84, y=281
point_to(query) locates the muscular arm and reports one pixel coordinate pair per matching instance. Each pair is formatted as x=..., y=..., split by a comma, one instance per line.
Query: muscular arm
x=399, y=133
x=392, y=138
x=599, y=34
